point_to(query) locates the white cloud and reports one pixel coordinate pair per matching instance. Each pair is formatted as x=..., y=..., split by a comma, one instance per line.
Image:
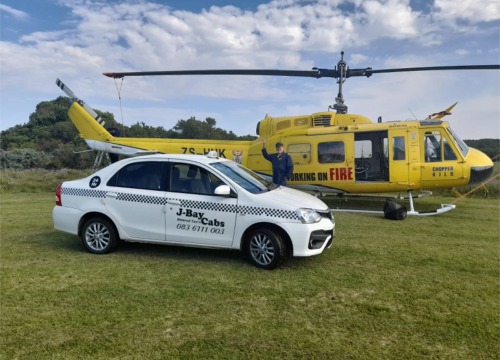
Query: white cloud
x=287, y=34
x=392, y=18
x=18, y=14
x=473, y=11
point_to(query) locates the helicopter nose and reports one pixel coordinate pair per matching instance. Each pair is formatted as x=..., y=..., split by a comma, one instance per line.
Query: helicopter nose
x=481, y=166
x=478, y=174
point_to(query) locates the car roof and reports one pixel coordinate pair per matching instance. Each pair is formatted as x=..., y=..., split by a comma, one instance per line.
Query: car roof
x=205, y=159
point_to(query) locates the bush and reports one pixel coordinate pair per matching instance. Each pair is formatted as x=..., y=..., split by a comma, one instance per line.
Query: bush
x=23, y=159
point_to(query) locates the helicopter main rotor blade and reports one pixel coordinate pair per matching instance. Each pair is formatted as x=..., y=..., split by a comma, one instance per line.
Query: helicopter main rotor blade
x=314, y=73
x=369, y=71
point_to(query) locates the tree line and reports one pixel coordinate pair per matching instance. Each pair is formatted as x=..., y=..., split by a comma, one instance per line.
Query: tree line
x=49, y=139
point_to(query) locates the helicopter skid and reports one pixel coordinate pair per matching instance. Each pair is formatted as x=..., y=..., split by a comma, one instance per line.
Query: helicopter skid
x=444, y=208
x=411, y=212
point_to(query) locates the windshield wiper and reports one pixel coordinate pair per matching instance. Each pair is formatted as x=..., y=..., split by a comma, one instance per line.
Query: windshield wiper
x=272, y=186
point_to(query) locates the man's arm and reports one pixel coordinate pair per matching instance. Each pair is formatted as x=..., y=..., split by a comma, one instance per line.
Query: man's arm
x=266, y=155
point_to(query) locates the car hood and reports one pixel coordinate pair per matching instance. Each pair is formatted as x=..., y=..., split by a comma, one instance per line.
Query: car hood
x=296, y=198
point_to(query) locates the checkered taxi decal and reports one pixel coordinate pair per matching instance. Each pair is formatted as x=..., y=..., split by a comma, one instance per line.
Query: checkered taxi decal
x=83, y=192
x=202, y=205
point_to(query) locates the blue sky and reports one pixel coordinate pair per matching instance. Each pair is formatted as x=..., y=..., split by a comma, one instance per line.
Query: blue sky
x=78, y=40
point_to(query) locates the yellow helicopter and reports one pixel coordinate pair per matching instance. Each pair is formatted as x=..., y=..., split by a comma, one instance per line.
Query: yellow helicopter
x=332, y=151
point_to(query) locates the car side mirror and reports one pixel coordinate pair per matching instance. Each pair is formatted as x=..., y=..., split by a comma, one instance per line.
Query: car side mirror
x=222, y=190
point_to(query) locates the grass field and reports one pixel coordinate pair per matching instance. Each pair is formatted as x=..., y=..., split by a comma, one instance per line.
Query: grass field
x=419, y=288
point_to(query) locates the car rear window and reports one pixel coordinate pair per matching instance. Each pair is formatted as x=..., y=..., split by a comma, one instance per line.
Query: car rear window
x=149, y=175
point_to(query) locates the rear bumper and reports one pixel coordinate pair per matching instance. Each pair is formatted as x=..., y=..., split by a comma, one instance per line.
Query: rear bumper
x=66, y=219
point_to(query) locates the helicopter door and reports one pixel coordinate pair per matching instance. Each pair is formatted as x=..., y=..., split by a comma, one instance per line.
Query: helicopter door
x=370, y=149
x=440, y=163
x=398, y=157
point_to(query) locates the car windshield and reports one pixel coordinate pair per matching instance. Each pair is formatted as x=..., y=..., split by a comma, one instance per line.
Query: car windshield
x=244, y=177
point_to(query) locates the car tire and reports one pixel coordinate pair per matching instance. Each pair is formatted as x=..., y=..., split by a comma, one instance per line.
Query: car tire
x=99, y=236
x=265, y=248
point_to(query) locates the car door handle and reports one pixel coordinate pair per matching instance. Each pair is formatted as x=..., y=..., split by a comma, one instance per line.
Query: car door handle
x=174, y=202
x=112, y=195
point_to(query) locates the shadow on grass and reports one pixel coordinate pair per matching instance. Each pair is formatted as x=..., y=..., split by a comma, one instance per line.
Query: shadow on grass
x=186, y=253
x=72, y=246
x=178, y=252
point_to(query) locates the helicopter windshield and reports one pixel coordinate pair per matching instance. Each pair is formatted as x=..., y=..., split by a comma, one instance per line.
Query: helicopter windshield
x=244, y=177
x=464, y=149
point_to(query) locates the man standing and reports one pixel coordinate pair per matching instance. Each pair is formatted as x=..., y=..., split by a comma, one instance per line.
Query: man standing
x=281, y=161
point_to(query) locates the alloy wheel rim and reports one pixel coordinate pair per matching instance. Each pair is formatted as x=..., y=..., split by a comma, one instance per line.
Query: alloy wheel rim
x=262, y=249
x=97, y=236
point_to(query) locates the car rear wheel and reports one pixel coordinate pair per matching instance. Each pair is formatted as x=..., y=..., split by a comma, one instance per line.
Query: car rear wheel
x=265, y=248
x=99, y=236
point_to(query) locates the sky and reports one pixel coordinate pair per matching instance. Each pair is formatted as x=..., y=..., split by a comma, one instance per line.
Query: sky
x=77, y=40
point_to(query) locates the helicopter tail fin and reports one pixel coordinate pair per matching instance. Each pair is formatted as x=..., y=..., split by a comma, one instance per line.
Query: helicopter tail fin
x=73, y=97
x=87, y=121
x=441, y=114
x=88, y=127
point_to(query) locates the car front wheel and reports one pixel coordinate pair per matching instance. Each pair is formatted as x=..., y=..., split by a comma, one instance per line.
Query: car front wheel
x=98, y=236
x=265, y=248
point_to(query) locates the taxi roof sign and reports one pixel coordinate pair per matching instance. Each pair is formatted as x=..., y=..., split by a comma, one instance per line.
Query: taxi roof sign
x=212, y=154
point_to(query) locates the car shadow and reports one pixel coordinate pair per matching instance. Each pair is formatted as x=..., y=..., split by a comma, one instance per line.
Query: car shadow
x=177, y=252
x=72, y=244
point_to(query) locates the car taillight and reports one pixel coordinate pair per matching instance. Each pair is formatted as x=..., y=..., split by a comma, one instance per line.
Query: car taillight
x=58, y=194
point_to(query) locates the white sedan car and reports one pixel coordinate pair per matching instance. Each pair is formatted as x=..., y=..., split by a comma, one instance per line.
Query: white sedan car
x=193, y=200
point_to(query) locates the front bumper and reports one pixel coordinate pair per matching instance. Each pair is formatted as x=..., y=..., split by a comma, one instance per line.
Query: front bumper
x=310, y=239
x=319, y=237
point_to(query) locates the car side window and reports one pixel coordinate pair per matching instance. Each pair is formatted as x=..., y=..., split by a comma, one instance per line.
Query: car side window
x=192, y=179
x=149, y=175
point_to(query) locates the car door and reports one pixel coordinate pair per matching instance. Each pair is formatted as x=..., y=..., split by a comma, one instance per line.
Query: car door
x=194, y=214
x=136, y=199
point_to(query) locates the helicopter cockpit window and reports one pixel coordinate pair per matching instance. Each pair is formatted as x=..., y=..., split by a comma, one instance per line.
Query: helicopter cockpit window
x=331, y=152
x=398, y=148
x=432, y=146
x=464, y=149
x=448, y=151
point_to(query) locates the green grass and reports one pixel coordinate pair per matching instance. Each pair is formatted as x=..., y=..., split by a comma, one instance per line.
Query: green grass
x=37, y=180
x=425, y=287
x=419, y=288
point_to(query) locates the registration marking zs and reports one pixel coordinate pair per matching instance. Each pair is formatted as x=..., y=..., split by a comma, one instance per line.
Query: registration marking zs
x=220, y=152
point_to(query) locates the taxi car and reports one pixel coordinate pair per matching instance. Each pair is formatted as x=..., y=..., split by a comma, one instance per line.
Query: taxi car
x=193, y=200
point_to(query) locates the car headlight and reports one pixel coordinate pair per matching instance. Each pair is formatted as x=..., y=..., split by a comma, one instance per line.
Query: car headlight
x=308, y=216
